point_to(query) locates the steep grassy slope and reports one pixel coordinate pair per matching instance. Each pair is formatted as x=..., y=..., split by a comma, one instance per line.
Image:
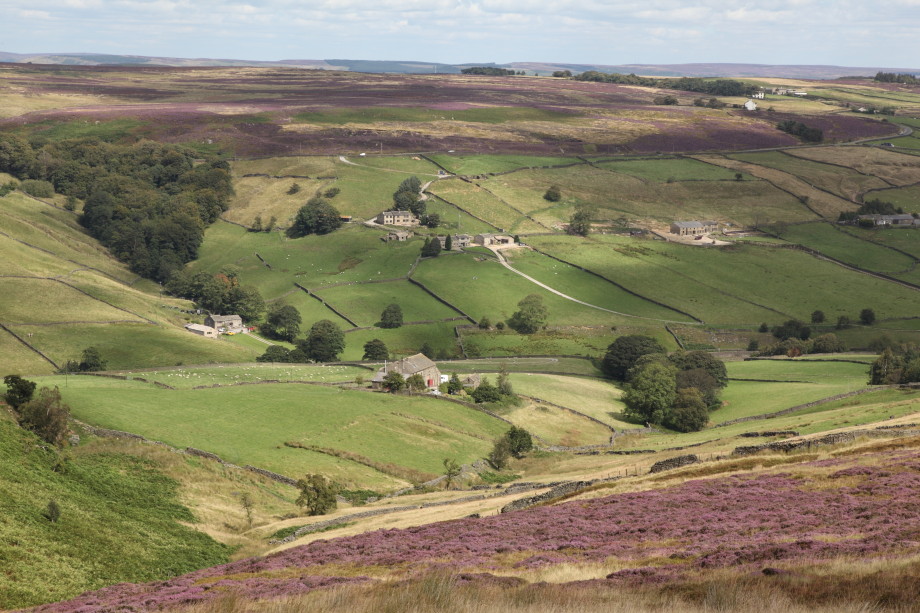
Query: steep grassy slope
x=121, y=520
x=60, y=292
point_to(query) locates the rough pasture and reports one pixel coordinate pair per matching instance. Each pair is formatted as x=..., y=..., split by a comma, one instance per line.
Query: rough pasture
x=820, y=510
x=261, y=111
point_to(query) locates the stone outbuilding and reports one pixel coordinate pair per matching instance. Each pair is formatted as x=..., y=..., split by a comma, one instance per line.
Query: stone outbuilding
x=205, y=331
x=489, y=240
x=418, y=364
x=225, y=324
x=399, y=236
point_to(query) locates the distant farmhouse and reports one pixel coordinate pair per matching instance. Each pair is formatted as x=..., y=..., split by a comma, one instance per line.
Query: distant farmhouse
x=897, y=221
x=488, y=240
x=205, y=331
x=399, y=236
x=226, y=324
x=693, y=228
x=397, y=218
x=458, y=241
x=758, y=95
x=417, y=364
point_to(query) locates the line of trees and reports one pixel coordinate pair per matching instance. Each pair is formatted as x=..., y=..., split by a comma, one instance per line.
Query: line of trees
x=891, y=77
x=148, y=202
x=713, y=87
x=797, y=128
x=491, y=71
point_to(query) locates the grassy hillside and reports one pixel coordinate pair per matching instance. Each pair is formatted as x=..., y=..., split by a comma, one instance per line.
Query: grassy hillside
x=404, y=437
x=62, y=292
x=121, y=520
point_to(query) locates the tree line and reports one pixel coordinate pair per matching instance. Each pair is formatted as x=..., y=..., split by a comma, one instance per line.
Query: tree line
x=148, y=202
x=891, y=77
x=713, y=87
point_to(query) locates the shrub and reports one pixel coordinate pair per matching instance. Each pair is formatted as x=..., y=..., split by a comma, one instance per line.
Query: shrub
x=39, y=189
x=52, y=511
x=553, y=194
x=46, y=415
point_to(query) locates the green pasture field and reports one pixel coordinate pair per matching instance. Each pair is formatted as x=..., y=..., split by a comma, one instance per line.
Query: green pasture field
x=352, y=253
x=803, y=369
x=112, y=130
x=16, y=358
x=844, y=182
x=472, y=286
x=911, y=143
x=404, y=341
x=673, y=169
x=57, y=303
x=405, y=164
x=683, y=275
x=484, y=205
x=903, y=331
x=560, y=365
x=249, y=425
x=230, y=374
x=491, y=115
x=598, y=398
x=898, y=169
x=454, y=220
x=366, y=191
x=365, y=302
x=306, y=166
x=556, y=426
x=617, y=195
x=746, y=398
x=574, y=340
x=907, y=198
x=103, y=496
x=311, y=310
x=133, y=345
x=267, y=198
x=905, y=239
x=487, y=164
x=846, y=247
x=584, y=286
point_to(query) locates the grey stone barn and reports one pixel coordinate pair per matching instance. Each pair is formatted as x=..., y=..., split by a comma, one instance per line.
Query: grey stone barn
x=225, y=323
x=417, y=364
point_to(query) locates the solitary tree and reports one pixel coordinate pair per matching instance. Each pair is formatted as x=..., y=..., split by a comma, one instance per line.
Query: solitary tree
x=530, y=316
x=392, y=316
x=519, y=440
x=283, y=322
x=448, y=243
x=317, y=494
x=375, y=349
x=867, y=317
x=580, y=222
x=451, y=472
x=817, y=317
x=324, y=343
x=18, y=390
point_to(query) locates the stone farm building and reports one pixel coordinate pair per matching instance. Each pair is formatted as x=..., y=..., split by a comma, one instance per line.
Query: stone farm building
x=458, y=241
x=899, y=221
x=693, y=228
x=417, y=364
x=397, y=218
x=205, y=331
x=225, y=323
x=488, y=240
x=400, y=236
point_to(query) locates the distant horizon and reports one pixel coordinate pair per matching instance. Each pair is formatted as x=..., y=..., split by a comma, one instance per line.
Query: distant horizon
x=610, y=32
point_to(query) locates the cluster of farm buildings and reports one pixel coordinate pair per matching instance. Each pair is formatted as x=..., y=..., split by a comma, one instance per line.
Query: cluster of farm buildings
x=422, y=365
x=215, y=325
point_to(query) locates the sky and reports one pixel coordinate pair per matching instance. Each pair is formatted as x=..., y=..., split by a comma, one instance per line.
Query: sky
x=883, y=33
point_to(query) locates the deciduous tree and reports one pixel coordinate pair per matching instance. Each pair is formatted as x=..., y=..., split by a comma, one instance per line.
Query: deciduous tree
x=317, y=494
x=623, y=353
x=324, y=343
x=375, y=349
x=18, y=390
x=392, y=316
x=530, y=316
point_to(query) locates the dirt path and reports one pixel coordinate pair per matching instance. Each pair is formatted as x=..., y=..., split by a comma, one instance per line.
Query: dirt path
x=505, y=263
